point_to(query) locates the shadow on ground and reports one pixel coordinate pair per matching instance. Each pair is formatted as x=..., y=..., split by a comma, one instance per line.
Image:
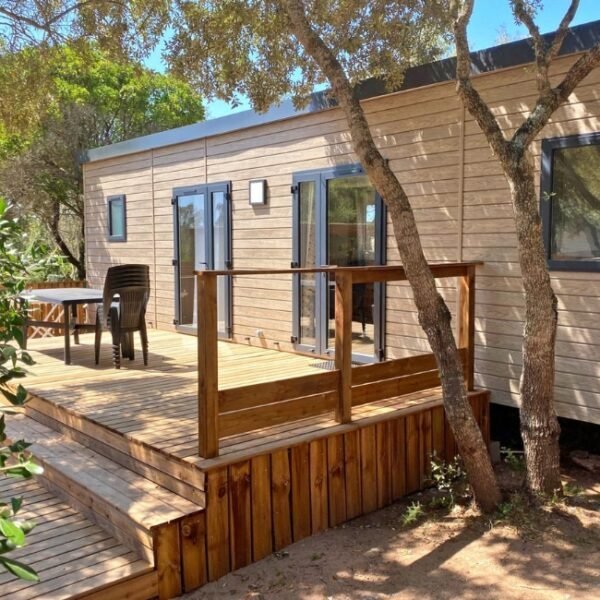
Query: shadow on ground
x=551, y=554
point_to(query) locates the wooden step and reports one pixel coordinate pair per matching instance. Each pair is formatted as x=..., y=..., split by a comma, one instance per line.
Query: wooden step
x=169, y=471
x=141, y=515
x=74, y=557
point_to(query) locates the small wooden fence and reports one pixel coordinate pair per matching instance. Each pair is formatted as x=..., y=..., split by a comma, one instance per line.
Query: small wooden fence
x=41, y=311
x=234, y=411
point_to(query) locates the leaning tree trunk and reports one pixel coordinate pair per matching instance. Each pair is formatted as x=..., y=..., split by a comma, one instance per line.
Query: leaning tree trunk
x=434, y=316
x=539, y=425
x=54, y=225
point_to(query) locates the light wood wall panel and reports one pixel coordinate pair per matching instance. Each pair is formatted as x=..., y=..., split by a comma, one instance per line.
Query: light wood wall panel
x=132, y=176
x=489, y=235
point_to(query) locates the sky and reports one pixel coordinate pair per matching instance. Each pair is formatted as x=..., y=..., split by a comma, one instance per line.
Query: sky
x=491, y=23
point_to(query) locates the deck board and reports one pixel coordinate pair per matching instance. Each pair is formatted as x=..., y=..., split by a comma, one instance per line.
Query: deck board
x=69, y=552
x=157, y=405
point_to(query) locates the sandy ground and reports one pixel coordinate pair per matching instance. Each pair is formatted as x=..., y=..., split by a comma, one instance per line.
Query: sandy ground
x=550, y=553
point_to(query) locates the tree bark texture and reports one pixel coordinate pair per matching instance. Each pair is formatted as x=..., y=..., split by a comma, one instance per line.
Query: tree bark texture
x=539, y=424
x=434, y=316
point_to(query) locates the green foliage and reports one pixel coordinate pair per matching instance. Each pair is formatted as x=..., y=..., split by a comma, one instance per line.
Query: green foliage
x=14, y=459
x=124, y=28
x=515, y=462
x=124, y=99
x=235, y=47
x=571, y=490
x=69, y=99
x=450, y=479
x=14, y=462
x=412, y=514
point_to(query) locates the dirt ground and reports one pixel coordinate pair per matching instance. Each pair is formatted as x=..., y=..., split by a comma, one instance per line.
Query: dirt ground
x=549, y=553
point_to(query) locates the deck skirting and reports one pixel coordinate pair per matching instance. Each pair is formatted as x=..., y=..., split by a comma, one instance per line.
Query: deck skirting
x=264, y=503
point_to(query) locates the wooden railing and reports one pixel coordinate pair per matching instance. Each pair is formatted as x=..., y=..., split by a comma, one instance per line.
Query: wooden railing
x=234, y=411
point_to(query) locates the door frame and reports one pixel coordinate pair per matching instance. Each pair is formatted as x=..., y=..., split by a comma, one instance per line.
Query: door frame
x=206, y=189
x=321, y=177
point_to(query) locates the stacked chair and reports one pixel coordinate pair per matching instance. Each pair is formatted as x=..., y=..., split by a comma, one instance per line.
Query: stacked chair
x=123, y=311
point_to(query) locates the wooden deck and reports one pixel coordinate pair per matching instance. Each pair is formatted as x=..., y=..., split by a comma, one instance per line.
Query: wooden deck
x=73, y=556
x=157, y=405
x=154, y=405
x=289, y=469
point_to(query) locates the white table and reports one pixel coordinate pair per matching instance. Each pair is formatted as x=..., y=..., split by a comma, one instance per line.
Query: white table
x=69, y=298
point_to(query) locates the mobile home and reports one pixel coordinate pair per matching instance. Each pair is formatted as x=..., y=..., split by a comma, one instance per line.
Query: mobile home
x=284, y=188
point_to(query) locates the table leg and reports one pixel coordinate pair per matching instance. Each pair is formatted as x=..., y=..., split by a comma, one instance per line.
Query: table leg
x=25, y=327
x=76, y=330
x=67, y=328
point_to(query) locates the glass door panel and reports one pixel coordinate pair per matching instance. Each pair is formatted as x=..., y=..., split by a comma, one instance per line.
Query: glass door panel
x=308, y=258
x=191, y=229
x=220, y=247
x=339, y=221
x=203, y=227
x=351, y=231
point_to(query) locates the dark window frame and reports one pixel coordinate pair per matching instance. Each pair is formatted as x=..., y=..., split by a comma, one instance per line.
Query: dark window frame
x=109, y=203
x=546, y=184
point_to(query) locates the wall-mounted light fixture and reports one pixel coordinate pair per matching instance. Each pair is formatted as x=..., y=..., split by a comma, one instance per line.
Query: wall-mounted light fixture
x=258, y=192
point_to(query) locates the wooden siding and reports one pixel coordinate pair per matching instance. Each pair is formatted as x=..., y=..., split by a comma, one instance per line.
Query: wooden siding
x=488, y=235
x=462, y=206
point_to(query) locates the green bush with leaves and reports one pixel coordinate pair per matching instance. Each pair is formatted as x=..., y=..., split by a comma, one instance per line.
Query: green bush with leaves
x=450, y=479
x=15, y=461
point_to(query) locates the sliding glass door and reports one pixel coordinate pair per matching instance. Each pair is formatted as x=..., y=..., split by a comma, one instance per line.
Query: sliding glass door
x=202, y=217
x=338, y=221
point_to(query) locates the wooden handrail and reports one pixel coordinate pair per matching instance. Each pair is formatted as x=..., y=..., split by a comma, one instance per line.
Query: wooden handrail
x=438, y=269
x=413, y=373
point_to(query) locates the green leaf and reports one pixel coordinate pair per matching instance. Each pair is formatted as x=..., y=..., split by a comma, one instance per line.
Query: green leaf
x=19, y=569
x=21, y=395
x=33, y=468
x=19, y=446
x=12, y=532
x=27, y=359
x=16, y=504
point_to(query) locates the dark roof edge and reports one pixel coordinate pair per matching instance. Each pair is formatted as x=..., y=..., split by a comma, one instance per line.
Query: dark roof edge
x=580, y=38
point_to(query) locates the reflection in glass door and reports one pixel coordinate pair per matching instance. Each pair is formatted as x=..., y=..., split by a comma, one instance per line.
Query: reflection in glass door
x=202, y=241
x=351, y=242
x=338, y=221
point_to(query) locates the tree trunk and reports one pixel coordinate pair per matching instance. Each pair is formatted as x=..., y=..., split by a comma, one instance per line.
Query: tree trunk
x=435, y=319
x=81, y=271
x=62, y=245
x=539, y=425
x=434, y=316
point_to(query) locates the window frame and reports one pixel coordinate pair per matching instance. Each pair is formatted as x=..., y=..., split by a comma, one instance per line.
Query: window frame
x=109, y=203
x=549, y=145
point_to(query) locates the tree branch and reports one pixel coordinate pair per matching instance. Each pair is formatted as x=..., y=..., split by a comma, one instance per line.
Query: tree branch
x=539, y=45
x=562, y=31
x=341, y=86
x=548, y=102
x=55, y=231
x=469, y=95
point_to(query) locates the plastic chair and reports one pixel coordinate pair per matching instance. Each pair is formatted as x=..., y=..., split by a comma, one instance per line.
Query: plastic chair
x=131, y=284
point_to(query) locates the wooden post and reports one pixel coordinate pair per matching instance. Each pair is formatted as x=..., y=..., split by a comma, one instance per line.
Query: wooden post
x=343, y=345
x=466, y=321
x=208, y=387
